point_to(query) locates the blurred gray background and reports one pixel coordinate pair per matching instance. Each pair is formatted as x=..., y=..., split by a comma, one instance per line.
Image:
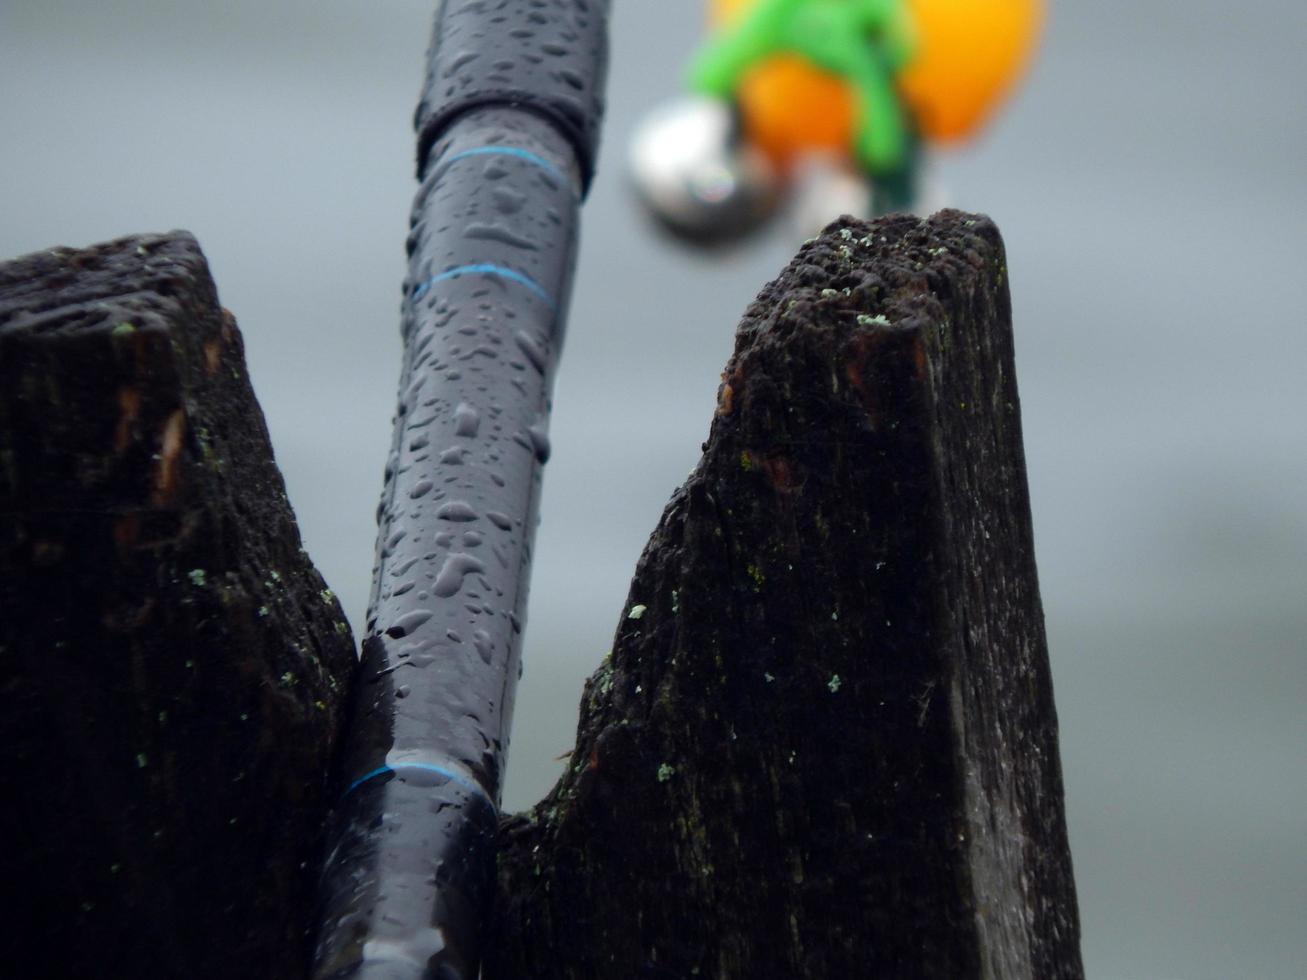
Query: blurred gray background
x=1149, y=181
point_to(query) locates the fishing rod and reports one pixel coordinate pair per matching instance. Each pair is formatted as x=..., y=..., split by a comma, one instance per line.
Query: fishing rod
x=508, y=127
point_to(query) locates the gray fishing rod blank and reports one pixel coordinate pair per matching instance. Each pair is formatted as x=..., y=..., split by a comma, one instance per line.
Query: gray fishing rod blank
x=410, y=868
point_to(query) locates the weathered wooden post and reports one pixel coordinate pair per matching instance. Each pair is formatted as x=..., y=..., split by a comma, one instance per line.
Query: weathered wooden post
x=172, y=667
x=824, y=744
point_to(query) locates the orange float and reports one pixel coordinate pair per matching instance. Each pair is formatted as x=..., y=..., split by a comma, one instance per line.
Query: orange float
x=969, y=54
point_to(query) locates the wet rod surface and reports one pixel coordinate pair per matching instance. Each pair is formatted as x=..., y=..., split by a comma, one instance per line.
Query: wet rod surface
x=508, y=126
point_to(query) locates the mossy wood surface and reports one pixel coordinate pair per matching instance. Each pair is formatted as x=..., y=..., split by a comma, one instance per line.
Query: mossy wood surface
x=824, y=744
x=171, y=665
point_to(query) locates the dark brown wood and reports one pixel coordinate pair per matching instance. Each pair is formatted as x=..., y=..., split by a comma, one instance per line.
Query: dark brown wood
x=172, y=667
x=824, y=744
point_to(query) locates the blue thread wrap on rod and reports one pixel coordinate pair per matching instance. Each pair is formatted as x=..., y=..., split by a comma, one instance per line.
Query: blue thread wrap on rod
x=547, y=56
